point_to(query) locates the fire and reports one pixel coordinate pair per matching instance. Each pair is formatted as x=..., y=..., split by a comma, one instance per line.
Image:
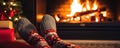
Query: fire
x=75, y=7
x=87, y=5
x=104, y=13
x=78, y=6
x=95, y=5
x=57, y=18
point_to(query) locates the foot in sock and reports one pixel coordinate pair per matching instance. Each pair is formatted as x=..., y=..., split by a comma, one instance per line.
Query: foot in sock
x=48, y=27
x=29, y=33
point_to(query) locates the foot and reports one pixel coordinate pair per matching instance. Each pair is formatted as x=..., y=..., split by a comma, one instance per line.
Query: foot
x=28, y=32
x=49, y=32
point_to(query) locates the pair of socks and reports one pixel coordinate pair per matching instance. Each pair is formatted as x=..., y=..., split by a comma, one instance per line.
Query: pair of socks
x=29, y=33
x=48, y=38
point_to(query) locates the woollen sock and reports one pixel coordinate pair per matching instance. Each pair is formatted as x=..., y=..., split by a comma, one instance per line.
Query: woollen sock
x=48, y=31
x=29, y=33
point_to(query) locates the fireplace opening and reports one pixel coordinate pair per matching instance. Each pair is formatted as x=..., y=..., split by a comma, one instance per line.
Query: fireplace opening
x=80, y=10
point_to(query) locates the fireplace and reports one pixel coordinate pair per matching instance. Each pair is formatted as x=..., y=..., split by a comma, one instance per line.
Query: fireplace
x=83, y=19
x=79, y=10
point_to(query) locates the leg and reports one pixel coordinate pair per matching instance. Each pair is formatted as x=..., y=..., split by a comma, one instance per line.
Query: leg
x=29, y=33
x=49, y=32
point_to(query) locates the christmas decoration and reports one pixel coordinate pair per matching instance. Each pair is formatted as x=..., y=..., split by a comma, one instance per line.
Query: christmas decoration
x=10, y=10
x=6, y=35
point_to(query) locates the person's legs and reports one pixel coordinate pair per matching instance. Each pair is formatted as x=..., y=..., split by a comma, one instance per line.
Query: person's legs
x=29, y=33
x=48, y=27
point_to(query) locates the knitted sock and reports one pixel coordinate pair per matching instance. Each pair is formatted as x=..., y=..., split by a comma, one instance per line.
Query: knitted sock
x=48, y=27
x=30, y=34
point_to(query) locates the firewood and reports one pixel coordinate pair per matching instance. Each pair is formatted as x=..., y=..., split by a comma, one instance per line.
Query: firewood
x=90, y=11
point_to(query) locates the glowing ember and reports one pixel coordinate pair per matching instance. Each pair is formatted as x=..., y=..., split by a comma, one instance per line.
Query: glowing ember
x=57, y=18
x=104, y=13
x=97, y=20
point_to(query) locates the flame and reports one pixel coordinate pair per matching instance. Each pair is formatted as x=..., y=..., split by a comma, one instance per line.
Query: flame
x=104, y=13
x=75, y=7
x=97, y=20
x=87, y=4
x=95, y=5
x=77, y=18
x=57, y=18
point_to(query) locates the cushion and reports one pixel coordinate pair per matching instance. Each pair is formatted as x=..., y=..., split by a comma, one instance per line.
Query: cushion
x=15, y=44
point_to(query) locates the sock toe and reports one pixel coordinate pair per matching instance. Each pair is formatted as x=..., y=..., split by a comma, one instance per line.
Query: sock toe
x=48, y=22
x=24, y=26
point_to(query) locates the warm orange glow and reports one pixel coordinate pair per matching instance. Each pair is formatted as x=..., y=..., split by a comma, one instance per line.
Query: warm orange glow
x=95, y=5
x=77, y=19
x=92, y=14
x=81, y=7
x=39, y=17
x=84, y=9
x=64, y=20
x=57, y=18
x=75, y=7
x=87, y=5
x=97, y=20
x=104, y=13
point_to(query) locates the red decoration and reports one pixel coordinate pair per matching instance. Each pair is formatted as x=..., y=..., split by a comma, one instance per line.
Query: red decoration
x=1, y=9
x=6, y=35
x=11, y=13
x=2, y=16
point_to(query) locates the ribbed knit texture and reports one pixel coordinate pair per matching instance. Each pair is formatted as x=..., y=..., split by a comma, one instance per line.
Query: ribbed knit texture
x=48, y=27
x=48, y=22
x=30, y=34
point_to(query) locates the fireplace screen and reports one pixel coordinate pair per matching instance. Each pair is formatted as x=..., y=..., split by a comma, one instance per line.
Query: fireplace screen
x=76, y=11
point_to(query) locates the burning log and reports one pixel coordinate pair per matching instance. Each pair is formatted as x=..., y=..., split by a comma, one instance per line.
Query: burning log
x=90, y=11
x=98, y=15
